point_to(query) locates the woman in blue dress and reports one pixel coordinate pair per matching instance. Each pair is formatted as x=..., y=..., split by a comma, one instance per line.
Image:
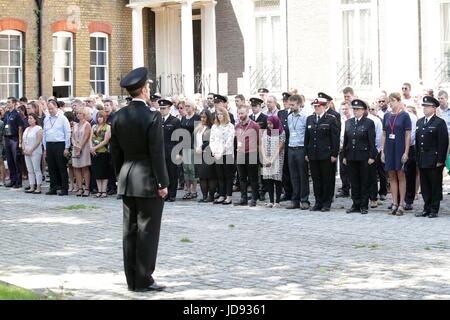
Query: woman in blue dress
x=395, y=144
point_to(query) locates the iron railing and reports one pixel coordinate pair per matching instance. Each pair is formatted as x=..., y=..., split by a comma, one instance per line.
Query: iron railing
x=442, y=71
x=265, y=77
x=354, y=75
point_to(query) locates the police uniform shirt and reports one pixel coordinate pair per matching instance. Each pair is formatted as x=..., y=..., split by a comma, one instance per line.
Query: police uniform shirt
x=432, y=142
x=359, y=140
x=322, y=137
x=12, y=122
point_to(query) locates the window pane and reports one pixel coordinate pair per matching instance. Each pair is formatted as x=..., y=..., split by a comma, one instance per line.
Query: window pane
x=101, y=87
x=101, y=44
x=3, y=91
x=355, y=1
x=93, y=43
x=13, y=75
x=100, y=73
x=14, y=90
x=62, y=59
x=93, y=58
x=3, y=42
x=101, y=58
x=15, y=43
x=15, y=58
x=4, y=61
x=92, y=73
x=63, y=43
x=66, y=74
x=92, y=87
x=3, y=75
x=62, y=75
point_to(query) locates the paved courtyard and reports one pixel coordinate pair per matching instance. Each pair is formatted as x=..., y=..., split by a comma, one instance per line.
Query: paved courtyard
x=218, y=252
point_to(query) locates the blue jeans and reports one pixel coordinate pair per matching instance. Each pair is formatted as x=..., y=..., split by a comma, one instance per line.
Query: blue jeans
x=298, y=168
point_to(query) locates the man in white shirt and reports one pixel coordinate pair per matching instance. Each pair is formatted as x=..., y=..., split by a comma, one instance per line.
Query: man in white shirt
x=411, y=166
x=407, y=99
x=346, y=114
x=378, y=169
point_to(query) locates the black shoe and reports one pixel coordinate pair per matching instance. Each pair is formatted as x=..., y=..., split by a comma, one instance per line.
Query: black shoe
x=219, y=202
x=305, y=206
x=51, y=193
x=316, y=208
x=153, y=287
x=227, y=203
x=242, y=202
x=433, y=215
x=63, y=193
x=171, y=200
x=112, y=192
x=424, y=214
x=408, y=207
x=119, y=197
x=27, y=188
x=17, y=186
x=382, y=198
x=342, y=194
x=353, y=210
x=293, y=206
x=325, y=210
x=285, y=198
x=9, y=185
x=391, y=206
x=210, y=200
x=252, y=203
x=364, y=211
x=204, y=200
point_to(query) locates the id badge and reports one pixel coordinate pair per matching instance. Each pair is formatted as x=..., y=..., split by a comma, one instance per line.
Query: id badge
x=392, y=136
x=7, y=126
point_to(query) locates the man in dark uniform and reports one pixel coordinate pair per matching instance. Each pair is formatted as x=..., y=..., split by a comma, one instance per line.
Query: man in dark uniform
x=13, y=143
x=257, y=116
x=359, y=153
x=263, y=94
x=137, y=148
x=283, y=115
x=221, y=101
x=322, y=150
x=431, y=153
x=170, y=124
x=154, y=98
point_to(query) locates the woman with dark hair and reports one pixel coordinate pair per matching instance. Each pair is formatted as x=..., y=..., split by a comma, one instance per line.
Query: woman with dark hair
x=203, y=158
x=32, y=150
x=101, y=134
x=272, y=157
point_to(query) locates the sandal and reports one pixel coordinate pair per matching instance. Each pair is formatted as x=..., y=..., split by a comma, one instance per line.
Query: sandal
x=187, y=196
x=104, y=195
x=98, y=195
x=400, y=212
x=86, y=194
x=79, y=193
x=394, y=210
x=194, y=195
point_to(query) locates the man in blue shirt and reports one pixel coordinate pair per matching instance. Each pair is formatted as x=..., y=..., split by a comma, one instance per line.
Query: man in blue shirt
x=298, y=167
x=13, y=142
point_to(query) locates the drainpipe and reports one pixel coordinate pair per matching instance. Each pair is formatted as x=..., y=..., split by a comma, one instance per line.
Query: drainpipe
x=419, y=7
x=38, y=13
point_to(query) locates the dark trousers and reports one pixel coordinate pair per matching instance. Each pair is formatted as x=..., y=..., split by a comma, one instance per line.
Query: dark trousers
x=360, y=178
x=323, y=173
x=141, y=226
x=373, y=184
x=12, y=158
x=57, y=166
x=287, y=184
x=298, y=169
x=208, y=186
x=411, y=173
x=344, y=174
x=381, y=172
x=173, y=177
x=248, y=172
x=112, y=187
x=225, y=174
x=274, y=189
x=431, y=186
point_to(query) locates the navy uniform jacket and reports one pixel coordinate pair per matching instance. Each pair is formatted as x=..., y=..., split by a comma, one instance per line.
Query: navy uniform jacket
x=359, y=141
x=337, y=116
x=431, y=142
x=169, y=127
x=261, y=121
x=322, y=138
x=137, y=148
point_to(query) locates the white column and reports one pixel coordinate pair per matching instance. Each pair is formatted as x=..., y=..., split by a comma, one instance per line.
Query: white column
x=138, y=37
x=187, y=47
x=209, y=45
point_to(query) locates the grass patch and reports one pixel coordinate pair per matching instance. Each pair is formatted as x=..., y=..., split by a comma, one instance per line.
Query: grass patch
x=186, y=240
x=231, y=226
x=78, y=207
x=359, y=246
x=374, y=246
x=14, y=293
x=428, y=248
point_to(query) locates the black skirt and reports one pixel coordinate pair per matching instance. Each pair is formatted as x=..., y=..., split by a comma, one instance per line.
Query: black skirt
x=101, y=166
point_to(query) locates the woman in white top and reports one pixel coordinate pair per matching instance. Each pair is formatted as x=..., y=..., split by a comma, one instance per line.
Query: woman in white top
x=222, y=148
x=32, y=150
x=81, y=154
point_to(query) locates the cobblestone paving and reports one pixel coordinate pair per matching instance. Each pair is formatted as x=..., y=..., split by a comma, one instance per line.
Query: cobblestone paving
x=227, y=252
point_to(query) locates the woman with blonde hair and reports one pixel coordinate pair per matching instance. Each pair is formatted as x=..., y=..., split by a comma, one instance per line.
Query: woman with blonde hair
x=81, y=156
x=222, y=149
x=395, y=144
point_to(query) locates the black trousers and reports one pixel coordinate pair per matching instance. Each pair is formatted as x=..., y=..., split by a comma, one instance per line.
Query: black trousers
x=141, y=226
x=274, y=189
x=344, y=174
x=57, y=166
x=13, y=160
x=381, y=172
x=112, y=186
x=287, y=184
x=360, y=178
x=411, y=172
x=298, y=168
x=431, y=186
x=173, y=177
x=248, y=172
x=373, y=183
x=323, y=173
x=225, y=174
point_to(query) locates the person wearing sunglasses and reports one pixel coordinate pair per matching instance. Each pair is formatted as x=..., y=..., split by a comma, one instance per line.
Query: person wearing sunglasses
x=407, y=98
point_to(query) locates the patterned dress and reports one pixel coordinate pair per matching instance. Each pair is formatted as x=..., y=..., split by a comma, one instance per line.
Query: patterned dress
x=271, y=145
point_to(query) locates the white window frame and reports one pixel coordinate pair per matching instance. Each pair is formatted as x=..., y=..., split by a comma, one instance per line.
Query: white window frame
x=15, y=33
x=442, y=43
x=357, y=8
x=269, y=13
x=70, y=82
x=105, y=36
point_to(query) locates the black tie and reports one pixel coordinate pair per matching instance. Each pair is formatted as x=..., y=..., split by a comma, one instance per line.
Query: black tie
x=426, y=121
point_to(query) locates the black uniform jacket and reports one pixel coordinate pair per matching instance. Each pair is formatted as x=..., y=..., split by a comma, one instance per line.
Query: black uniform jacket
x=169, y=127
x=359, y=141
x=431, y=142
x=137, y=148
x=337, y=116
x=322, y=138
x=261, y=121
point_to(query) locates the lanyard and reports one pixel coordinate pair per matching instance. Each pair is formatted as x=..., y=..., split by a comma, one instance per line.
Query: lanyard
x=246, y=128
x=392, y=125
x=296, y=122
